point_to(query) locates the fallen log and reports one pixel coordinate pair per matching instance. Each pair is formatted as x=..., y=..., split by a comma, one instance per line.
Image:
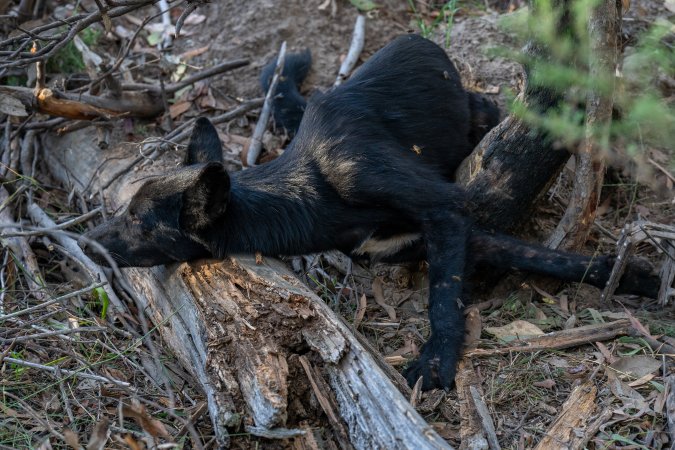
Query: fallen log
x=240, y=328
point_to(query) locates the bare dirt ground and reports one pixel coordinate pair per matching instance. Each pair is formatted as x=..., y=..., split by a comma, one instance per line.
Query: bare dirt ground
x=523, y=392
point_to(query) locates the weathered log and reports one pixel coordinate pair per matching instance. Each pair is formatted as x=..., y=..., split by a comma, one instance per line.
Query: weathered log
x=236, y=326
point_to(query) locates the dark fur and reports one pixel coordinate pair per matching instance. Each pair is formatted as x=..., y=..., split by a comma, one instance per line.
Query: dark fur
x=371, y=161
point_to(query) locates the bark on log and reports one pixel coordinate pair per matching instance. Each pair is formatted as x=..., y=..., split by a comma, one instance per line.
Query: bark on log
x=236, y=326
x=514, y=163
x=577, y=413
x=507, y=172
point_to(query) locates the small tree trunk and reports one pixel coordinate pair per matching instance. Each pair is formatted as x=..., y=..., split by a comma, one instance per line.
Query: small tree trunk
x=572, y=230
x=513, y=164
x=507, y=172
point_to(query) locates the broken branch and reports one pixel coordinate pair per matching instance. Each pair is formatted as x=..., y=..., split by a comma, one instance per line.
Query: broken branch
x=562, y=339
x=355, y=49
x=256, y=139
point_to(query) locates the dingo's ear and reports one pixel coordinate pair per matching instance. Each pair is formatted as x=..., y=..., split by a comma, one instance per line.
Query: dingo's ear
x=204, y=144
x=205, y=200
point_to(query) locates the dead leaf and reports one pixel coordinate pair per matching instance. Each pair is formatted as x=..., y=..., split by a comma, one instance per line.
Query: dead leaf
x=152, y=426
x=577, y=370
x=604, y=207
x=556, y=361
x=518, y=329
x=178, y=73
x=99, y=435
x=606, y=353
x=360, y=311
x=378, y=293
x=539, y=314
x=548, y=408
x=408, y=347
x=570, y=323
x=546, y=384
x=635, y=323
x=71, y=438
x=194, y=19
x=635, y=366
x=9, y=412
x=208, y=100
x=547, y=298
x=123, y=32
x=628, y=396
x=661, y=399
x=643, y=210
x=116, y=374
x=642, y=380
x=192, y=53
x=133, y=443
x=92, y=60
x=179, y=108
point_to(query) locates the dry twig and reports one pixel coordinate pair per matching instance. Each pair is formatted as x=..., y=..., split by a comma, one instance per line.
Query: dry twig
x=19, y=57
x=328, y=405
x=355, y=49
x=561, y=339
x=256, y=139
x=486, y=420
